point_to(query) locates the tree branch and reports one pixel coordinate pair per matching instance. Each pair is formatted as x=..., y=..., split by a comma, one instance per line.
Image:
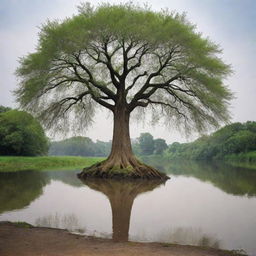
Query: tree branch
x=134, y=81
x=113, y=73
x=164, y=104
x=91, y=80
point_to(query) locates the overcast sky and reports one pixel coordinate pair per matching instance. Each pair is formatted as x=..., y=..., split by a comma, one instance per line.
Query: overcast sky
x=229, y=23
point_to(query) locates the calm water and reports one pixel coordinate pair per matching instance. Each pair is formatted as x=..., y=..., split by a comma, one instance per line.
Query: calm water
x=200, y=205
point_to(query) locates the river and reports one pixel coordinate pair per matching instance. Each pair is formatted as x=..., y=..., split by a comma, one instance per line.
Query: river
x=206, y=204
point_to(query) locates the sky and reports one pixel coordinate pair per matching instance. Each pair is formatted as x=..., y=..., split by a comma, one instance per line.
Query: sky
x=229, y=23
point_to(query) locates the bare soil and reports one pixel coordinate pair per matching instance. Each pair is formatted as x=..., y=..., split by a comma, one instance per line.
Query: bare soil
x=55, y=242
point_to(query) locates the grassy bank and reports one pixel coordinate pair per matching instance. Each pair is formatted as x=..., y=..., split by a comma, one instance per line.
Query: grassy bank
x=18, y=163
x=247, y=160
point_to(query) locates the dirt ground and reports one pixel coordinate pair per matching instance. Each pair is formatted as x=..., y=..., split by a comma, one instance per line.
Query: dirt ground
x=17, y=241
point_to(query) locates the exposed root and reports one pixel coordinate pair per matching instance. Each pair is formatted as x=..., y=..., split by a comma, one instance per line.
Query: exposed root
x=122, y=168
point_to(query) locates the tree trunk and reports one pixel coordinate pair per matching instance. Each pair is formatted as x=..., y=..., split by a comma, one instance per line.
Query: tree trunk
x=121, y=155
x=121, y=162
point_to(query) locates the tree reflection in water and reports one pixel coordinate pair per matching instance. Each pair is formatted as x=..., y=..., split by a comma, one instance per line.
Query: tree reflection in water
x=121, y=195
x=232, y=180
x=19, y=189
x=189, y=235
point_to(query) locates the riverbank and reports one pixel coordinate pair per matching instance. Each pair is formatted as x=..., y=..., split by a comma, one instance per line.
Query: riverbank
x=20, y=163
x=26, y=240
x=246, y=160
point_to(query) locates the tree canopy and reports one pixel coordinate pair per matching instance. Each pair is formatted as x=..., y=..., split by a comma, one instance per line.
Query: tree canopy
x=157, y=58
x=124, y=57
x=21, y=134
x=4, y=109
x=160, y=146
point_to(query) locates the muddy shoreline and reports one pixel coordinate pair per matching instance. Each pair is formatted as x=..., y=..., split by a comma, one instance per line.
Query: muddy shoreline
x=25, y=240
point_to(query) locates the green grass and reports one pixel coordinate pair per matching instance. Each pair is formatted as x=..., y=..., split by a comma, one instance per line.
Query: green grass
x=247, y=160
x=18, y=163
x=21, y=224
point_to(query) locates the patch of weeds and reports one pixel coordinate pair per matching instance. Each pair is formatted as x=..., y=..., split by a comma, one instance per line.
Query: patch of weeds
x=166, y=245
x=21, y=224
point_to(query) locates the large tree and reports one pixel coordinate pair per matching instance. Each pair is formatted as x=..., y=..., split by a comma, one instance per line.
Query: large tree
x=124, y=58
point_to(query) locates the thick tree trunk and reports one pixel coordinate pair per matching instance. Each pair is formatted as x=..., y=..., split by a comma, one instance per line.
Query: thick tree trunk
x=121, y=151
x=121, y=162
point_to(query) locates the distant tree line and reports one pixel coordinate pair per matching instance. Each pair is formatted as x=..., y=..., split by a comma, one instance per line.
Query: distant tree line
x=232, y=139
x=79, y=146
x=22, y=135
x=84, y=146
x=145, y=145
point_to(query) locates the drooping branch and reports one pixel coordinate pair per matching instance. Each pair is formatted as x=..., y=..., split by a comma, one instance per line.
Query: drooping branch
x=164, y=104
x=74, y=99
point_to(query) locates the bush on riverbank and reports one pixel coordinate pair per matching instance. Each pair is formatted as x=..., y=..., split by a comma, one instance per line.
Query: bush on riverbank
x=21, y=134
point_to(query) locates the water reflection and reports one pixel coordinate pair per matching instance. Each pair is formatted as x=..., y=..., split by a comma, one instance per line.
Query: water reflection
x=202, y=204
x=68, y=177
x=189, y=235
x=67, y=221
x=121, y=195
x=19, y=189
x=232, y=180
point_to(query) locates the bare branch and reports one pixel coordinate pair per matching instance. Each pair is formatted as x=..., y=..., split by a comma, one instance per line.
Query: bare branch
x=134, y=81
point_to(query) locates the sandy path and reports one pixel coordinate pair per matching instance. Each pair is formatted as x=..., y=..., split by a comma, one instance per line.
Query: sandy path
x=15, y=241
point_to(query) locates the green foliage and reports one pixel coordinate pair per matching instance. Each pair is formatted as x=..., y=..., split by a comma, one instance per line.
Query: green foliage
x=246, y=160
x=159, y=146
x=12, y=164
x=232, y=180
x=232, y=139
x=146, y=143
x=158, y=59
x=21, y=134
x=79, y=146
x=22, y=224
x=4, y=109
x=84, y=146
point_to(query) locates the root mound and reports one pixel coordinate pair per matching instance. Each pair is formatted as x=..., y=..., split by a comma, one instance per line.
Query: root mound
x=122, y=169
